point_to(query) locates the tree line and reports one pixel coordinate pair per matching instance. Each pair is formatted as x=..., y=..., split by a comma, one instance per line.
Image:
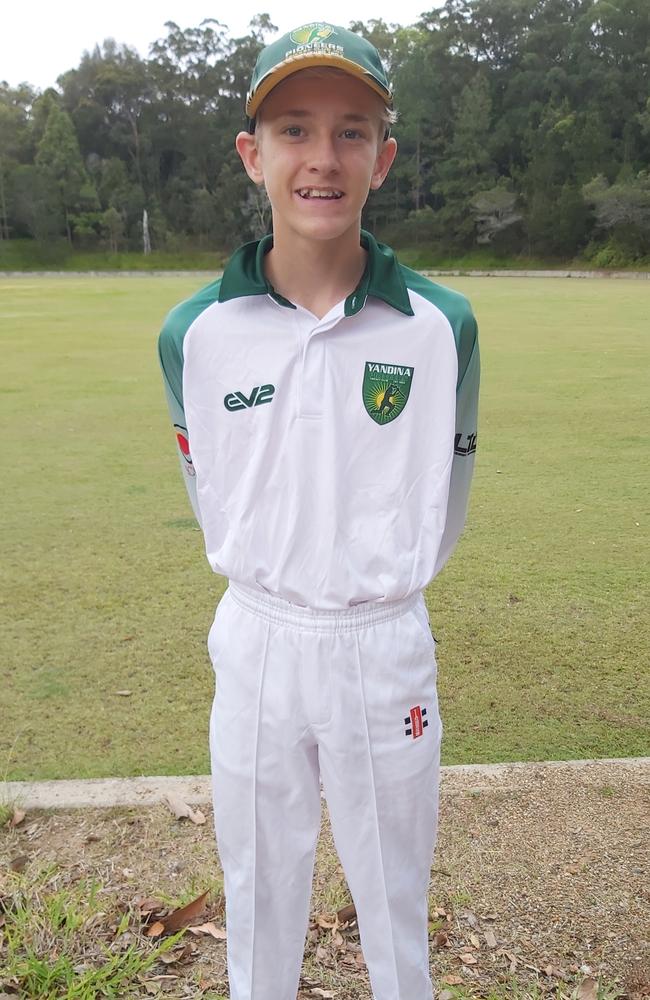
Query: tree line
x=524, y=126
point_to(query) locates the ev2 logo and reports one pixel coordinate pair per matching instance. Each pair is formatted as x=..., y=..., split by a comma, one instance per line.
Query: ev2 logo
x=238, y=401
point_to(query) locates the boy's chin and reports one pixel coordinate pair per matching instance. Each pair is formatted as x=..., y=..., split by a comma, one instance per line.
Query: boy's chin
x=324, y=230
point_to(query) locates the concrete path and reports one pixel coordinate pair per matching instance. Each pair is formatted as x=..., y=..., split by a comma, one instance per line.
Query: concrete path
x=146, y=791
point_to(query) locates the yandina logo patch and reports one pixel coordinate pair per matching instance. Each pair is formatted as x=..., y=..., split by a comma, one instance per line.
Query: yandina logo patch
x=311, y=34
x=386, y=390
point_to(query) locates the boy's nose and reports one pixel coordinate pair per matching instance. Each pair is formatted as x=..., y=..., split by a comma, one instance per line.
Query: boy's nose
x=323, y=156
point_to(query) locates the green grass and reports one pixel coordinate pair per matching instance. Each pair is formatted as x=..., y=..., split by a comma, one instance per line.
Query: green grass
x=28, y=255
x=69, y=938
x=542, y=612
x=56, y=942
x=484, y=258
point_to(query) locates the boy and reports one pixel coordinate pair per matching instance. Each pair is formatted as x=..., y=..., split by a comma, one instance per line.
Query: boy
x=325, y=401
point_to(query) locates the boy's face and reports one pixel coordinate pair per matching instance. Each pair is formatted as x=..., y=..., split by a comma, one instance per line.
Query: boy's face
x=318, y=149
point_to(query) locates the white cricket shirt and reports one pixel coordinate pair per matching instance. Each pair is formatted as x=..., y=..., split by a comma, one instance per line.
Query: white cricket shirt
x=328, y=460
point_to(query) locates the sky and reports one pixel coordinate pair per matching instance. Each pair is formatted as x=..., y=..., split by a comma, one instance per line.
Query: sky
x=40, y=40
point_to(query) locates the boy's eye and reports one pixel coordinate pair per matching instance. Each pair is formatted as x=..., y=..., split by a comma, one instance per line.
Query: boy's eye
x=293, y=130
x=352, y=133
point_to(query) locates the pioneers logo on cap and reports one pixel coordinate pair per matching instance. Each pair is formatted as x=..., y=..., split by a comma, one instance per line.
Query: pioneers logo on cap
x=308, y=34
x=316, y=44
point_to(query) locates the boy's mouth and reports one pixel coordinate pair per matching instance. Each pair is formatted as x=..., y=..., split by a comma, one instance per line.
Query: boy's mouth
x=325, y=194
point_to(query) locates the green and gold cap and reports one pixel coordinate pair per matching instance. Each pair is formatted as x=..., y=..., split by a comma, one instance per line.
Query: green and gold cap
x=316, y=44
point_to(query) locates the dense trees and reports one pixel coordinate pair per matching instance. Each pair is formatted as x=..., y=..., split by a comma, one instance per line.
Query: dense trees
x=524, y=125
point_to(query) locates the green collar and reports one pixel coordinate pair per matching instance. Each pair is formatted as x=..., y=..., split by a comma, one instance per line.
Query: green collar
x=382, y=278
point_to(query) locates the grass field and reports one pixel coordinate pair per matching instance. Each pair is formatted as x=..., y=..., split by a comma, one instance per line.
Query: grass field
x=542, y=614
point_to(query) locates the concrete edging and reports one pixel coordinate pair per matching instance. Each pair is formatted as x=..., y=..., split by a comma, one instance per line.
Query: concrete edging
x=560, y=273
x=196, y=790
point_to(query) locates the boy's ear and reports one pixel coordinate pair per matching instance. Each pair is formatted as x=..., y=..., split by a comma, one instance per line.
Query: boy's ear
x=386, y=155
x=246, y=146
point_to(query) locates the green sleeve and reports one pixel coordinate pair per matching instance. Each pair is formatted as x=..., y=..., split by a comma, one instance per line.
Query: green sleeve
x=459, y=315
x=170, y=354
x=462, y=467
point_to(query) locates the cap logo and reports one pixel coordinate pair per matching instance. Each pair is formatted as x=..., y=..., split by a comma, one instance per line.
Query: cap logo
x=310, y=34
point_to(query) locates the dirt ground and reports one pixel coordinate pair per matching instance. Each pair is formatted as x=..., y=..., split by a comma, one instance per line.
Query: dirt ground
x=541, y=879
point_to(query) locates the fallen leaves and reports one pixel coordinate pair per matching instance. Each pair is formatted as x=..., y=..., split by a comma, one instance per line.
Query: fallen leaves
x=514, y=914
x=347, y=914
x=490, y=938
x=184, y=953
x=587, y=990
x=16, y=818
x=179, y=918
x=511, y=957
x=334, y=938
x=182, y=810
x=149, y=905
x=219, y=933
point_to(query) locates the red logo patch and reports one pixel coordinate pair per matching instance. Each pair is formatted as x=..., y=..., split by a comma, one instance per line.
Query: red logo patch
x=184, y=444
x=416, y=721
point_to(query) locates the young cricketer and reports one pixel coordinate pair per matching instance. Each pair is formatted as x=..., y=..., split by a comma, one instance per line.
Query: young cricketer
x=325, y=400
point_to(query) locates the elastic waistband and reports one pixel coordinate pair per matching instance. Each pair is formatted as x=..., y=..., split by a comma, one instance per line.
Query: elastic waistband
x=281, y=612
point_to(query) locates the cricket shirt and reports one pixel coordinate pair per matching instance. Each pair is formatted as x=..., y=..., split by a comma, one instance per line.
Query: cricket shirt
x=328, y=461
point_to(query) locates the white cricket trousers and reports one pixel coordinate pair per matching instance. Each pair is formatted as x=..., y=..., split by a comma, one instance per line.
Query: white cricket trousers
x=349, y=698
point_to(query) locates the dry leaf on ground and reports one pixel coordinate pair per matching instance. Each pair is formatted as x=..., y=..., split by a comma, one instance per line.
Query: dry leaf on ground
x=182, y=954
x=149, y=905
x=587, y=990
x=179, y=918
x=17, y=817
x=182, y=810
x=216, y=932
x=347, y=913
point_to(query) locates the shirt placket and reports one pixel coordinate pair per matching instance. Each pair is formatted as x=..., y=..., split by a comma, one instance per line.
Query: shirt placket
x=313, y=341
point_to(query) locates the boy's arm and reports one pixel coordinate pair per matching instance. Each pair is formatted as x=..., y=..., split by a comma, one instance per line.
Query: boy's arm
x=465, y=437
x=170, y=352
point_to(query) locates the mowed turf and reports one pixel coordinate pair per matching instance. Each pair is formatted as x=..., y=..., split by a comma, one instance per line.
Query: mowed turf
x=542, y=614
